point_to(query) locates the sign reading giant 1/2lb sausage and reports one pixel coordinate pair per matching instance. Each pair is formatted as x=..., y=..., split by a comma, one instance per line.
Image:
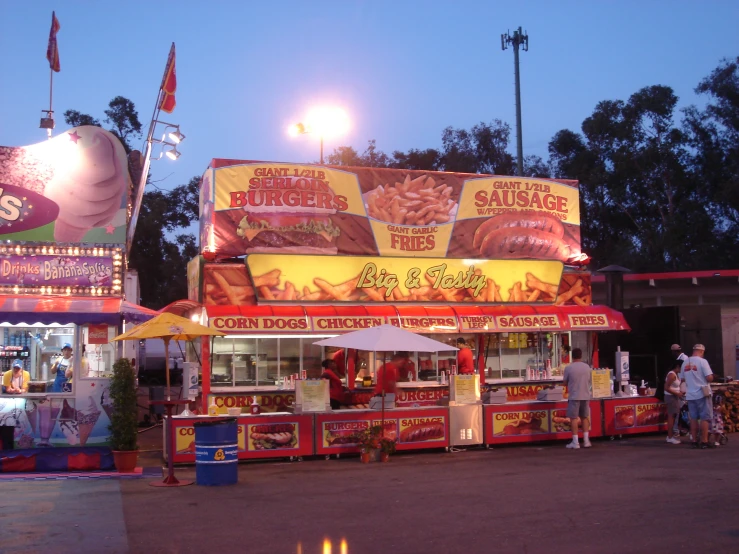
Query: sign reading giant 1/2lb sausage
x=422, y=429
x=529, y=422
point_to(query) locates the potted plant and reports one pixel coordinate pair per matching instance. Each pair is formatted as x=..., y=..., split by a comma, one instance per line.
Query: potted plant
x=387, y=447
x=123, y=421
x=369, y=442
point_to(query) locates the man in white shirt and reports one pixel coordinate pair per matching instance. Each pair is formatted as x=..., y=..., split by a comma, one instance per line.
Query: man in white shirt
x=697, y=374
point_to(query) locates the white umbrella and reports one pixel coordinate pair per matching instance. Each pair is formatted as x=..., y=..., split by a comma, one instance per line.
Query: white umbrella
x=386, y=338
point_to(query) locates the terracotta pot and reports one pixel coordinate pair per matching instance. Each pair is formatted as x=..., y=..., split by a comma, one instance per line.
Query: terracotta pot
x=125, y=460
x=384, y=457
x=365, y=457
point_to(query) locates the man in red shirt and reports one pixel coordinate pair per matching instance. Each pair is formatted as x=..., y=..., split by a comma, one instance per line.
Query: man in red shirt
x=335, y=386
x=406, y=367
x=387, y=376
x=465, y=361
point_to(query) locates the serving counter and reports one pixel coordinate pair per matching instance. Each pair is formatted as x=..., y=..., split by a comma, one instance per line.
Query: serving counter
x=422, y=419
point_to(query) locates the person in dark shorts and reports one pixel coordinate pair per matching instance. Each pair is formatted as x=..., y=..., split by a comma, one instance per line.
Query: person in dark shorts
x=673, y=399
x=577, y=378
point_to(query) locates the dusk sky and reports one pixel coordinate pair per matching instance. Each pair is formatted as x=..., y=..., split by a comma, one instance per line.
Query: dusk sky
x=402, y=70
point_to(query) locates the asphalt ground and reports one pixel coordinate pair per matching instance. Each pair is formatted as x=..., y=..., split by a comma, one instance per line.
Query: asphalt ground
x=633, y=495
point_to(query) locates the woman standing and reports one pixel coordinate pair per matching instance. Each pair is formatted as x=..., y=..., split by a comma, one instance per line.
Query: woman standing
x=672, y=399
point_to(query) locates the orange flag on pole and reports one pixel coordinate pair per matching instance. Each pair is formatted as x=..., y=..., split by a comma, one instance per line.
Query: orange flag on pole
x=167, y=100
x=52, y=49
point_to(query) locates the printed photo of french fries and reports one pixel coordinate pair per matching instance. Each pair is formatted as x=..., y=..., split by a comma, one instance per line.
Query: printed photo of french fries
x=573, y=289
x=227, y=285
x=419, y=201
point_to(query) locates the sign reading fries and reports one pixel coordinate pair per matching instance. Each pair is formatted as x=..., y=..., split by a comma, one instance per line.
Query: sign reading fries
x=362, y=279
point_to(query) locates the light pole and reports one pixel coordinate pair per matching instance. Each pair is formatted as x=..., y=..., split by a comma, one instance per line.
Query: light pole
x=322, y=122
x=519, y=38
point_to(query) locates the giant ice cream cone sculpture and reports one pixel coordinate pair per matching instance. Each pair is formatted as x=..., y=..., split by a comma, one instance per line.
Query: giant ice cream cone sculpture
x=87, y=419
x=84, y=171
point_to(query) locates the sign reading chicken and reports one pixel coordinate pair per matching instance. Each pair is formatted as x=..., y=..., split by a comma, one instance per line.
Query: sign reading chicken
x=72, y=189
x=260, y=207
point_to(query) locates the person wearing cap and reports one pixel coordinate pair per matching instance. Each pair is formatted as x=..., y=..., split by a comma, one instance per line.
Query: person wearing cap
x=62, y=369
x=697, y=374
x=677, y=352
x=465, y=360
x=16, y=380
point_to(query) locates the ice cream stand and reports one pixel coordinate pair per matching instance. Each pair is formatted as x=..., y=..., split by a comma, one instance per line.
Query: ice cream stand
x=62, y=266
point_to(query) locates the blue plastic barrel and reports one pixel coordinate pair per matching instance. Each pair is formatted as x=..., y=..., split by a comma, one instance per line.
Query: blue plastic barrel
x=216, y=452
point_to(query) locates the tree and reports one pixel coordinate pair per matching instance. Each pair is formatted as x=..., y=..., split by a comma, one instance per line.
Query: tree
x=714, y=139
x=640, y=206
x=160, y=250
x=482, y=149
x=428, y=160
x=124, y=118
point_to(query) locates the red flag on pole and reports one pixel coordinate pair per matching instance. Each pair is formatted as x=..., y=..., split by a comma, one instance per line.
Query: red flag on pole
x=52, y=49
x=167, y=102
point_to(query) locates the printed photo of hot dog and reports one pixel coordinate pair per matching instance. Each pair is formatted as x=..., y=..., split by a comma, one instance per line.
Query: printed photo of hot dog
x=522, y=235
x=423, y=432
x=624, y=417
x=273, y=436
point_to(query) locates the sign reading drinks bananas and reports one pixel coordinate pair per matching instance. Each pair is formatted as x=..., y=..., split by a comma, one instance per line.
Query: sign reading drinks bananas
x=261, y=207
x=301, y=278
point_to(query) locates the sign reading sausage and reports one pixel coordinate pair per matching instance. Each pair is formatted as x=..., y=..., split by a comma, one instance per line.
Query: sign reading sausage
x=422, y=429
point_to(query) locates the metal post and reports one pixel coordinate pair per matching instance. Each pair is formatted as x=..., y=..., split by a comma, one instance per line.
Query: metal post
x=518, y=39
x=321, y=149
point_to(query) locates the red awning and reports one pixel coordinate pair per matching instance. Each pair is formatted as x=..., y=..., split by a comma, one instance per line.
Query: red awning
x=16, y=309
x=425, y=319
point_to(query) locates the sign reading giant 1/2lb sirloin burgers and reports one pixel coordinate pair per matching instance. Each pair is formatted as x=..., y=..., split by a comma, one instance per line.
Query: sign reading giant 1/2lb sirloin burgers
x=252, y=207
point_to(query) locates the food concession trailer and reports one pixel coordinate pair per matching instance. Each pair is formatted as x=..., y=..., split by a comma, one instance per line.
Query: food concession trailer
x=292, y=253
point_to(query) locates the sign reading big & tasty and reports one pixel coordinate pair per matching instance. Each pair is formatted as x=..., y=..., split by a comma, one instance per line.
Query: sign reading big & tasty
x=71, y=189
x=307, y=278
x=253, y=207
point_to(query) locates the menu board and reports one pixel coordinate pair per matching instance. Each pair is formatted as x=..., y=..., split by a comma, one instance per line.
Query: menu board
x=601, y=383
x=311, y=395
x=465, y=389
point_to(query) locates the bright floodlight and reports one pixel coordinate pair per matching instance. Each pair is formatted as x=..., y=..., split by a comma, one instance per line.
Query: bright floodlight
x=328, y=122
x=176, y=136
x=296, y=129
x=172, y=153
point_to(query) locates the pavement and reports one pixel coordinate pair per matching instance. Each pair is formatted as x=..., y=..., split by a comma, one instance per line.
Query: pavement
x=633, y=495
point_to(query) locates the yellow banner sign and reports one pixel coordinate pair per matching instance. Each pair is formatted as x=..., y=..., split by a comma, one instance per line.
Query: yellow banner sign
x=364, y=279
x=493, y=196
x=529, y=422
x=270, y=324
x=185, y=439
x=279, y=187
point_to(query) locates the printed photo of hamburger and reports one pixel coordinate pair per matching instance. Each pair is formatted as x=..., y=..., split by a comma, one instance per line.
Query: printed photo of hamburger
x=303, y=231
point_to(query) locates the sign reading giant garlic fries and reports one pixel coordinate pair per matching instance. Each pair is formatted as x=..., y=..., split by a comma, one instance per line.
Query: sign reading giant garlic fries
x=298, y=278
x=257, y=207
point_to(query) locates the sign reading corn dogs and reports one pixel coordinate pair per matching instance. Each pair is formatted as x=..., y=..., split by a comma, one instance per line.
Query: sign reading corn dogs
x=253, y=207
x=361, y=279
